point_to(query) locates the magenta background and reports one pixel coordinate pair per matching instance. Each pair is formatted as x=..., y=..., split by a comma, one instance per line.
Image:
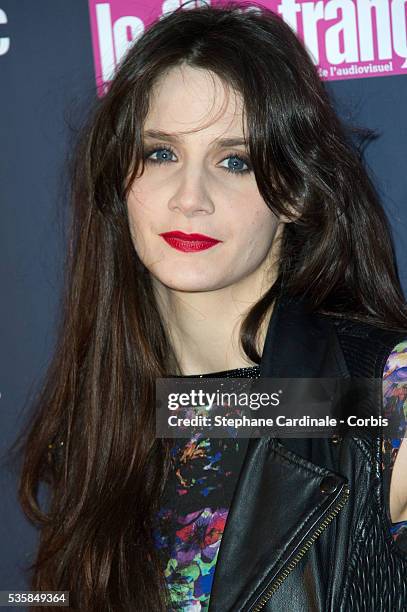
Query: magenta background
x=150, y=10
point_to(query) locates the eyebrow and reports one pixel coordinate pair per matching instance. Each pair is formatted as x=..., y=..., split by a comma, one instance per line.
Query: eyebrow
x=223, y=142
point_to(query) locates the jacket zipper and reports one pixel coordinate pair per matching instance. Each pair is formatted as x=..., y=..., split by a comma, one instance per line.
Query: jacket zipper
x=278, y=581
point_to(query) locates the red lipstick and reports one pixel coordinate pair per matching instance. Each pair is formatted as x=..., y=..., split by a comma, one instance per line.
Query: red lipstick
x=189, y=242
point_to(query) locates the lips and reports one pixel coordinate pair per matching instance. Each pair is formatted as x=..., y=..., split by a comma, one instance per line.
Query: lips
x=189, y=242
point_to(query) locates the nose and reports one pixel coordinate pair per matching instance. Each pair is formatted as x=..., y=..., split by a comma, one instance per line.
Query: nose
x=190, y=195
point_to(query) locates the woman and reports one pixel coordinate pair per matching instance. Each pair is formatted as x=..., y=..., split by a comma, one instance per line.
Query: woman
x=217, y=124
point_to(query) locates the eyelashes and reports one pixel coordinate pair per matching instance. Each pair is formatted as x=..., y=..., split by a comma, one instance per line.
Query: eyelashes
x=169, y=151
x=150, y=152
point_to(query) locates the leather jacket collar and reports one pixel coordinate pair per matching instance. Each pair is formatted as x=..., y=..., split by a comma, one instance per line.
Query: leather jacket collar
x=282, y=501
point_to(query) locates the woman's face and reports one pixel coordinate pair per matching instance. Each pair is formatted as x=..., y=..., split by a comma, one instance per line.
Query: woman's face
x=198, y=183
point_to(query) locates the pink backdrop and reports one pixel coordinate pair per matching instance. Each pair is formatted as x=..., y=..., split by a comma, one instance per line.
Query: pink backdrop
x=347, y=38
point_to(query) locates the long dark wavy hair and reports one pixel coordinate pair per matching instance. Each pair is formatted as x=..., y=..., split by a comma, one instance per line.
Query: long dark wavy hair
x=91, y=435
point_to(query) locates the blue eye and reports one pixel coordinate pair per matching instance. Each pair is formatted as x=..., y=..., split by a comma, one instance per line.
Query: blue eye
x=166, y=153
x=235, y=164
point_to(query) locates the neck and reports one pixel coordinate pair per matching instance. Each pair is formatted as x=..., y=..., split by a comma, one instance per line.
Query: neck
x=204, y=327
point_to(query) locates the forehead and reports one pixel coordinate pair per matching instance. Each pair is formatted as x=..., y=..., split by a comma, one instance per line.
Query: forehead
x=189, y=99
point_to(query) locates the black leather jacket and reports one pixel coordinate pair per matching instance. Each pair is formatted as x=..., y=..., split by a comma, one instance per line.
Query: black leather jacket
x=308, y=529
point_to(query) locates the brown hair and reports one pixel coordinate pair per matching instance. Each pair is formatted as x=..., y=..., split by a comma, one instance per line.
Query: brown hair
x=96, y=404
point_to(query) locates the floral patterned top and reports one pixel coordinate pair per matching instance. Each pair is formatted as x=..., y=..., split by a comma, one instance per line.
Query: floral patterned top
x=199, y=490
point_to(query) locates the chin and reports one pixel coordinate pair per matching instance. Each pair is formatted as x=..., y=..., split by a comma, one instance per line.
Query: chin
x=188, y=283
x=190, y=286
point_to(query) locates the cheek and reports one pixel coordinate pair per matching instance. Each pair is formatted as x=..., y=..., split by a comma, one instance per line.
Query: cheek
x=260, y=225
x=140, y=216
x=140, y=209
x=258, y=234
x=146, y=208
